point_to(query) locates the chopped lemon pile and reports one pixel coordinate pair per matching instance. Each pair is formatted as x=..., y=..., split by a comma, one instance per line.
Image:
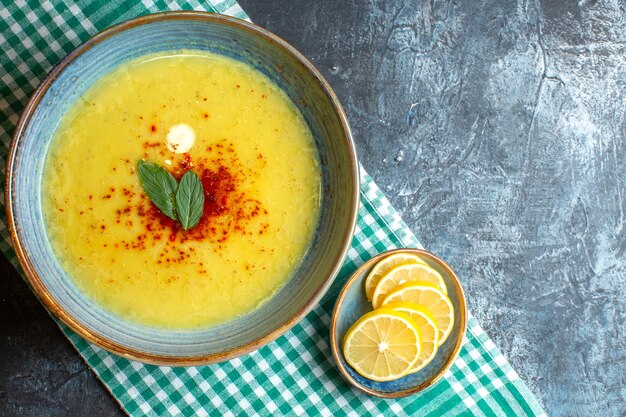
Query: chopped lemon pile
x=412, y=317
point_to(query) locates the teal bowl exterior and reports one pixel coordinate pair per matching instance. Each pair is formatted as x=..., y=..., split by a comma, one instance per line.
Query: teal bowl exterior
x=171, y=32
x=352, y=304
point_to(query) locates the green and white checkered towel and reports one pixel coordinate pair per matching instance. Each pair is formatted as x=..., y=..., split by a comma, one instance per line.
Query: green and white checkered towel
x=295, y=374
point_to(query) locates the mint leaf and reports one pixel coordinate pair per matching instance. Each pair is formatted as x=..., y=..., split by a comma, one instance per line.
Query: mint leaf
x=189, y=200
x=160, y=187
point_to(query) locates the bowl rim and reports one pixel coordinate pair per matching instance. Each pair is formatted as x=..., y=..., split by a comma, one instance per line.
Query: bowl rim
x=463, y=311
x=37, y=284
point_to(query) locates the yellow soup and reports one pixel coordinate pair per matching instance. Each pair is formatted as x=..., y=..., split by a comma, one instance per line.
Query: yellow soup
x=258, y=165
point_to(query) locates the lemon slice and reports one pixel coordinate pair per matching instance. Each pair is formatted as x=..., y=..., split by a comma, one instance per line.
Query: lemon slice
x=425, y=323
x=405, y=273
x=386, y=265
x=383, y=345
x=430, y=297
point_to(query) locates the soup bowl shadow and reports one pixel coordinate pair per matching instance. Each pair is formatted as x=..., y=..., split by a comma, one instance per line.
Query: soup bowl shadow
x=173, y=31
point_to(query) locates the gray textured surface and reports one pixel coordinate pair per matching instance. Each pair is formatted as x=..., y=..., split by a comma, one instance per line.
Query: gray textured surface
x=497, y=130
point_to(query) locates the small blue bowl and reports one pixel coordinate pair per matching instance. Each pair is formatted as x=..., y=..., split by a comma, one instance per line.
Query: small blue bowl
x=352, y=304
x=175, y=31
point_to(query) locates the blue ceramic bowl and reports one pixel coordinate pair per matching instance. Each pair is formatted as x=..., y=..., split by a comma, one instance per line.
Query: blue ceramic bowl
x=352, y=304
x=171, y=32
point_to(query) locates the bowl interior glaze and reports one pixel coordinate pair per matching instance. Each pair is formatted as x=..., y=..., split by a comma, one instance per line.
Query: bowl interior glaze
x=352, y=304
x=171, y=32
